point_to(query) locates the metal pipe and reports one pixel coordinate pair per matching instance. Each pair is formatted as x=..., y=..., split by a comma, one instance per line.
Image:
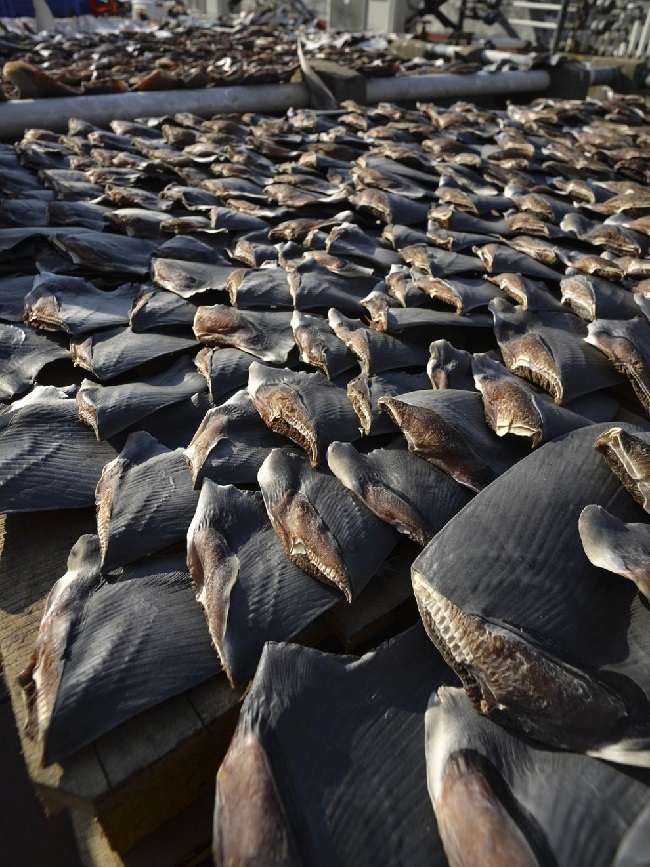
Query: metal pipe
x=18, y=115
x=602, y=74
x=409, y=87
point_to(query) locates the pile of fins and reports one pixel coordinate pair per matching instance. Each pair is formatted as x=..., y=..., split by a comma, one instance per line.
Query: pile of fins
x=274, y=354
x=248, y=48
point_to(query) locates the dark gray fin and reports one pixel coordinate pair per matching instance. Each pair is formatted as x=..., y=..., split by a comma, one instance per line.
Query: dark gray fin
x=633, y=848
x=440, y=263
x=549, y=350
x=259, y=287
x=349, y=240
x=548, y=208
x=402, y=288
x=319, y=347
x=105, y=252
x=250, y=823
x=23, y=212
x=590, y=263
x=23, y=354
x=448, y=217
x=12, y=296
x=266, y=335
x=48, y=458
x=627, y=345
x=404, y=491
x=76, y=306
x=125, y=642
x=225, y=370
x=389, y=207
x=514, y=406
x=595, y=298
x=637, y=269
x=175, y=425
x=612, y=544
x=449, y=367
x=291, y=196
x=515, y=682
x=628, y=457
x=235, y=221
x=364, y=393
x=208, y=250
x=537, y=248
x=109, y=409
x=371, y=779
x=420, y=323
x=41, y=679
x=365, y=177
x=231, y=443
x=401, y=236
x=599, y=406
x=189, y=278
x=138, y=222
x=145, y=501
x=315, y=287
x=191, y=198
x=325, y=530
x=376, y=352
x=614, y=238
x=563, y=661
x=448, y=429
x=71, y=185
x=498, y=258
x=529, y=294
x=154, y=308
x=305, y=407
x=464, y=295
x=250, y=591
x=522, y=801
x=298, y=228
x=115, y=351
x=522, y=222
x=465, y=794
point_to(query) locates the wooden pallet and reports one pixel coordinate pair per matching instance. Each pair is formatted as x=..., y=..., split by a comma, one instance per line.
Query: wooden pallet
x=145, y=773
x=142, y=794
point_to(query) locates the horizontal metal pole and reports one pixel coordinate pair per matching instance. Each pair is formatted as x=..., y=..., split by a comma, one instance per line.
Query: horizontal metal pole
x=18, y=115
x=531, y=4
x=528, y=22
x=409, y=87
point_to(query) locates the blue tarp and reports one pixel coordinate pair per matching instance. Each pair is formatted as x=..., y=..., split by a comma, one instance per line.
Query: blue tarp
x=60, y=8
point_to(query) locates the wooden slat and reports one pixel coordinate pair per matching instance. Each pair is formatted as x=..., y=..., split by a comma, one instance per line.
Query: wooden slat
x=183, y=840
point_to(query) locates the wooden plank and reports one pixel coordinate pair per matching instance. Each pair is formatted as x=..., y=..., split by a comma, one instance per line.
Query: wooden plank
x=148, y=769
x=385, y=606
x=183, y=840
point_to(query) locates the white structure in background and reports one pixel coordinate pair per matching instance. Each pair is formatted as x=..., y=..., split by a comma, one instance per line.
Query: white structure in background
x=207, y=8
x=150, y=10
x=378, y=16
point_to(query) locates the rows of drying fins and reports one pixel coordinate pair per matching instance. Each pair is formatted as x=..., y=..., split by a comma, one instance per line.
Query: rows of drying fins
x=249, y=49
x=306, y=338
